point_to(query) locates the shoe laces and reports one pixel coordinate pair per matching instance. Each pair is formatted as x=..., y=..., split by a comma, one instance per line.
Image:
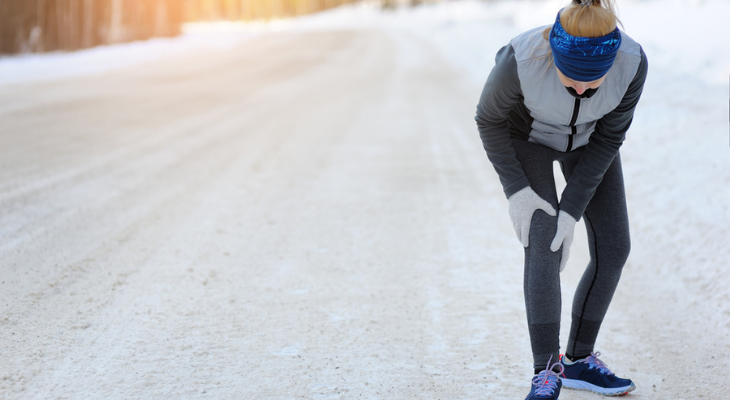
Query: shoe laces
x=594, y=362
x=547, y=381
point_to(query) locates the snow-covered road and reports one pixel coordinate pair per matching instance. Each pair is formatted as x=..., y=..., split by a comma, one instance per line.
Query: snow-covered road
x=309, y=213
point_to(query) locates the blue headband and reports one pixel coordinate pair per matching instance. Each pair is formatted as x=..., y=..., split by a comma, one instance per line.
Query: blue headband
x=583, y=59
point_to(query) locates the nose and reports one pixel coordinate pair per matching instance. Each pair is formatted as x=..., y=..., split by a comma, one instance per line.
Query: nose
x=580, y=88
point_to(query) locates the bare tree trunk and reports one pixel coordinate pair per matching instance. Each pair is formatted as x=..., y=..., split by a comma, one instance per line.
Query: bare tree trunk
x=37, y=44
x=74, y=24
x=115, y=24
x=60, y=33
x=160, y=19
x=87, y=39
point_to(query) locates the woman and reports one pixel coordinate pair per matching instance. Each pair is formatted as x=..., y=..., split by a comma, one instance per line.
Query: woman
x=566, y=93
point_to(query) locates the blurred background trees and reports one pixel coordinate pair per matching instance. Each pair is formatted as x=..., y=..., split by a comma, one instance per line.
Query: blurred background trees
x=46, y=25
x=249, y=10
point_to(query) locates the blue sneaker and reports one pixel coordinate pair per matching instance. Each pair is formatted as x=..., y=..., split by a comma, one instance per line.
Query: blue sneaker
x=546, y=385
x=592, y=374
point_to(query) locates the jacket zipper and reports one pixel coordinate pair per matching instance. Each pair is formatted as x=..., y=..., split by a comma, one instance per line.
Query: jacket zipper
x=573, y=129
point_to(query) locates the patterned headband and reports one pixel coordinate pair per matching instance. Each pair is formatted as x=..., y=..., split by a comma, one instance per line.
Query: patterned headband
x=583, y=59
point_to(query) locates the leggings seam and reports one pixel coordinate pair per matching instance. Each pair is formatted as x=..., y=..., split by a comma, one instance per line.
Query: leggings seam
x=593, y=282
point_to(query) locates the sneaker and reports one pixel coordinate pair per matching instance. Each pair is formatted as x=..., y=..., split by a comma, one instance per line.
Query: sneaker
x=593, y=375
x=546, y=385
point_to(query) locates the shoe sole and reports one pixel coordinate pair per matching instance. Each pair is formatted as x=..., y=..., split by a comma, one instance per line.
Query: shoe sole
x=581, y=385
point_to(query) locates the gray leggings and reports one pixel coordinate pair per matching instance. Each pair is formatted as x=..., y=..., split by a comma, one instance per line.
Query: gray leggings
x=607, y=226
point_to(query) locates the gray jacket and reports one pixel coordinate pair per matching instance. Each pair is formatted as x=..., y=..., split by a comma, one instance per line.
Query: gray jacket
x=524, y=99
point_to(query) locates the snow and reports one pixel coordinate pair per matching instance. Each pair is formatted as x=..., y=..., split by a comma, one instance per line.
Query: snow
x=676, y=158
x=45, y=67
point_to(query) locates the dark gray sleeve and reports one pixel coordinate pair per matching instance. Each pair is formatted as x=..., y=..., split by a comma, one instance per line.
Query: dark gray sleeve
x=499, y=96
x=603, y=147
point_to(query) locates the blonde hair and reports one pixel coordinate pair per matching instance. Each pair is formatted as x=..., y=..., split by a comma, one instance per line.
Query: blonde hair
x=595, y=19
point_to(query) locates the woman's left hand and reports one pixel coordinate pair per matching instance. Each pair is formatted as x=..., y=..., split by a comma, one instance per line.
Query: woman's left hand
x=563, y=237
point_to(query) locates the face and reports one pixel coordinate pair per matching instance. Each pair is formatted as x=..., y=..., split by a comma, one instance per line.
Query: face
x=579, y=87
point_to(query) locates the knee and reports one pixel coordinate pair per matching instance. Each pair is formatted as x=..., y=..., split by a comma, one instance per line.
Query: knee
x=623, y=250
x=618, y=249
x=609, y=240
x=542, y=229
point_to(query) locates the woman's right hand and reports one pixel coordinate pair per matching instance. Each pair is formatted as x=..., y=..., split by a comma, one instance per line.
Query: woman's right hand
x=521, y=207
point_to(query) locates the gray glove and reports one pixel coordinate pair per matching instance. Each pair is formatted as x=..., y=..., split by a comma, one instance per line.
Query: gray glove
x=521, y=207
x=564, y=237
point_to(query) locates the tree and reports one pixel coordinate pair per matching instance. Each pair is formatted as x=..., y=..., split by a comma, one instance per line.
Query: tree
x=46, y=25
